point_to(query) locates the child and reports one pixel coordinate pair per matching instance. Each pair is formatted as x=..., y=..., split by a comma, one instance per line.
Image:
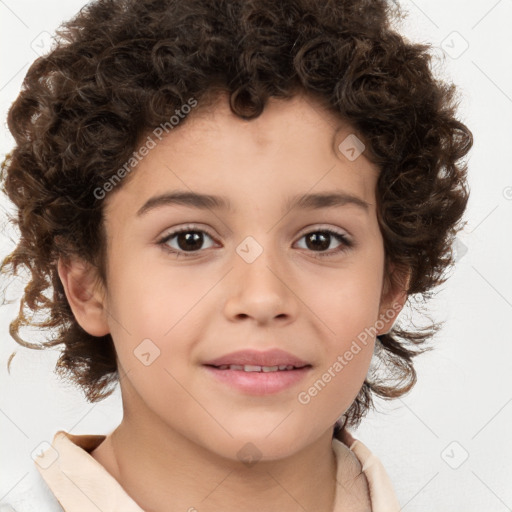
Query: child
x=307, y=154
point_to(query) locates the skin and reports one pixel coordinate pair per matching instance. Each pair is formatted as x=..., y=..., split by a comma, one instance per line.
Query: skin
x=178, y=421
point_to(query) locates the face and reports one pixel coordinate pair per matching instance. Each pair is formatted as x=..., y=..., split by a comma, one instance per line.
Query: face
x=192, y=281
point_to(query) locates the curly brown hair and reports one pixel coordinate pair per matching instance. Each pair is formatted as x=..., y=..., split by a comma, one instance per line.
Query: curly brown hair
x=122, y=67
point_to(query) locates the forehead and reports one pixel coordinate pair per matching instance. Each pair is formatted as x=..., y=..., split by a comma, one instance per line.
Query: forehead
x=289, y=150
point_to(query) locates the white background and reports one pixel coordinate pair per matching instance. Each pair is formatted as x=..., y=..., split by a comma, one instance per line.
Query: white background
x=464, y=390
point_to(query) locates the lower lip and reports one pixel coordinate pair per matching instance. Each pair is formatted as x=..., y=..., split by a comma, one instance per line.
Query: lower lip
x=259, y=383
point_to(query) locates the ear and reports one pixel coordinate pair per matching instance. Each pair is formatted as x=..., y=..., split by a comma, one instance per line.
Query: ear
x=393, y=298
x=85, y=294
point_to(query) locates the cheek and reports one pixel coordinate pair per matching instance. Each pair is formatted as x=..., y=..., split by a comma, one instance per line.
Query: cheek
x=347, y=300
x=348, y=307
x=348, y=343
x=156, y=323
x=336, y=385
x=149, y=297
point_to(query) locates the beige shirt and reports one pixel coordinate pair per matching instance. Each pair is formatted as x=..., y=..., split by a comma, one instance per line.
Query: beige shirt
x=82, y=484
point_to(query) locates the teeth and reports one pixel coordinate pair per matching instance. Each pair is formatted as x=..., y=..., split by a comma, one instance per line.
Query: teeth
x=255, y=368
x=251, y=368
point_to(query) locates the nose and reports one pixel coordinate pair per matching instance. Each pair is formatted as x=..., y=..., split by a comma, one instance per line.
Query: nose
x=261, y=290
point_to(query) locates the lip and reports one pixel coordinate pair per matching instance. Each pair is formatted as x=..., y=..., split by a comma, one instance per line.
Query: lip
x=273, y=357
x=258, y=382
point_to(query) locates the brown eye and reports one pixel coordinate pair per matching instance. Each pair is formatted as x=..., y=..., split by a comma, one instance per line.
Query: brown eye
x=185, y=240
x=320, y=241
x=189, y=240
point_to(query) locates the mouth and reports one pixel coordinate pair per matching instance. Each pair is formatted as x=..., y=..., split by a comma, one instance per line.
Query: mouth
x=255, y=372
x=257, y=368
x=255, y=361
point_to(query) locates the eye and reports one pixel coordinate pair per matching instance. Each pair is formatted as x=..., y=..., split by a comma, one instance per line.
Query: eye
x=188, y=239
x=321, y=239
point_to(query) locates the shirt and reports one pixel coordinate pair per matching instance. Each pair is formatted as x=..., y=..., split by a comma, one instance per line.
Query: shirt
x=76, y=482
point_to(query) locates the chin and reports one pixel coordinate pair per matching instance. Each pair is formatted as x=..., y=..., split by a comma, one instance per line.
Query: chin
x=256, y=444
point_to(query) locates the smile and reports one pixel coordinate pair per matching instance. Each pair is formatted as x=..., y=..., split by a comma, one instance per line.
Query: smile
x=256, y=368
x=255, y=379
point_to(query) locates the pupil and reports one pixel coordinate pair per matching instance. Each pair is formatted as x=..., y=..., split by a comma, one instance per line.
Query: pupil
x=318, y=237
x=192, y=240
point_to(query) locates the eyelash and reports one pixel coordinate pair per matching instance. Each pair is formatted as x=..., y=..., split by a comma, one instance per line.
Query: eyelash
x=346, y=244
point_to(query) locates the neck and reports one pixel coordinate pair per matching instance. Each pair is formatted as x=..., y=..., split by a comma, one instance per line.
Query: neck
x=164, y=471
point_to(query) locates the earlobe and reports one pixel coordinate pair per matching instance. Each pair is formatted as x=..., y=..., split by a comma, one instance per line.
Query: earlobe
x=85, y=294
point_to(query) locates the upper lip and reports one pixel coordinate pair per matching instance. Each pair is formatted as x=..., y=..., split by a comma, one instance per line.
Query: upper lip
x=274, y=357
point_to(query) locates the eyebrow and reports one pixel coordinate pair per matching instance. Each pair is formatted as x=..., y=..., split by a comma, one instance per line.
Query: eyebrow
x=212, y=202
